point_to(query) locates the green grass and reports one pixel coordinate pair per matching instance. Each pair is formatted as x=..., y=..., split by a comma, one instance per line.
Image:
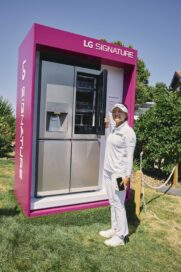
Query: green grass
x=70, y=241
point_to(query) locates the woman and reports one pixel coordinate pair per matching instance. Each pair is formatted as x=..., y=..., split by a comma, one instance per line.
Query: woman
x=119, y=152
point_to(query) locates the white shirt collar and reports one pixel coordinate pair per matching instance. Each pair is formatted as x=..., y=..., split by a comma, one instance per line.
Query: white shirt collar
x=122, y=125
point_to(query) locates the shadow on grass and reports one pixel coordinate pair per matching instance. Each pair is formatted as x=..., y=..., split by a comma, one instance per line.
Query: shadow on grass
x=10, y=207
x=76, y=218
x=86, y=217
x=9, y=211
x=133, y=220
x=160, y=195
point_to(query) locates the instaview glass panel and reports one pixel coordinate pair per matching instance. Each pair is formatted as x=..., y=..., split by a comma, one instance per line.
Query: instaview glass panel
x=85, y=103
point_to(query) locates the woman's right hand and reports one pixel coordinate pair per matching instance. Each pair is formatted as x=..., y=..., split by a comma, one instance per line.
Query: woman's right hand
x=106, y=122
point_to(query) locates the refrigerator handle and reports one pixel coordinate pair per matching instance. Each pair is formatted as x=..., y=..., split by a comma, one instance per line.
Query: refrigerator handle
x=101, y=102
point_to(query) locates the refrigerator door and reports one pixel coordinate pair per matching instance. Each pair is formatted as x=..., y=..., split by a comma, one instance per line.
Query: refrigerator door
x=101, y=102
x=85, y=166
x=56, y=100
x=84, y=125
x=53, y=167
x=89, y=103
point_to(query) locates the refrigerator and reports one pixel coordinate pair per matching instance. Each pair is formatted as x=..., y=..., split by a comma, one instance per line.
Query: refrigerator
x=71, y=111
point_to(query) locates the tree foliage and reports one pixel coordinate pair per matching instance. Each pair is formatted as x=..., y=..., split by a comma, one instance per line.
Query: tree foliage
x=142, y=72
x=7, y=127
x=143, y=90
x=159, y=131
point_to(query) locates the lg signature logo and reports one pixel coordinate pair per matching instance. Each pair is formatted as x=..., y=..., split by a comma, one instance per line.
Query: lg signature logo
x=108, y=48
x=23, y=72
x=21, y=128
x=88, y=44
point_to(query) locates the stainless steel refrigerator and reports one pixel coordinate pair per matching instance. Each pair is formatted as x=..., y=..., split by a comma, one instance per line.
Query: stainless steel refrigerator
x=72, y=103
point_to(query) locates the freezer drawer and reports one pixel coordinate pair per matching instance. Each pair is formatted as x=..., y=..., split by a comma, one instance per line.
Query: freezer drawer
x=53, y=167
x=85, y=166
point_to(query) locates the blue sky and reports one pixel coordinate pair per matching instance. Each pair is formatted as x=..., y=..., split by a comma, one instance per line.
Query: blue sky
x=152, y=27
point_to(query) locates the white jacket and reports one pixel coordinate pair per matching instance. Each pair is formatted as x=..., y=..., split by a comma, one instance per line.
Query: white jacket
x=120, y=145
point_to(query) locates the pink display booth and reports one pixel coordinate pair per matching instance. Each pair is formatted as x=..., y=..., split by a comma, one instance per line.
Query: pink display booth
x=67, y=84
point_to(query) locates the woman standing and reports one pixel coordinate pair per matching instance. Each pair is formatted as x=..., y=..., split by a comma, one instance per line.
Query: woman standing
x=120, y=147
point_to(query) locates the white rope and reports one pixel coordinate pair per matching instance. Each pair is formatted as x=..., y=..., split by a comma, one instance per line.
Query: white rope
x=143, y=182
x=162, y=185
x=154, y=187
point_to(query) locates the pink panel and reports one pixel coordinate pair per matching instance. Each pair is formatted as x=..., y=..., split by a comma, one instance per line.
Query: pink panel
x=80, y=44
x=58, y=39
x=69, y=208
x=129, y=91
x=24, y=120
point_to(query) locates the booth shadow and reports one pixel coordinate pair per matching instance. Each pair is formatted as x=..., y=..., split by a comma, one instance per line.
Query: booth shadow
x=89, y=217
x=9, y=211
x=133, y=220
x=161, y=195
x=75, y=218
x=14, y=209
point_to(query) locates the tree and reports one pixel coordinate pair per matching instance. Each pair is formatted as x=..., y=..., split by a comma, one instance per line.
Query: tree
x=159, y=131
x=7, y=127
x=143, y=90
x=118, y=43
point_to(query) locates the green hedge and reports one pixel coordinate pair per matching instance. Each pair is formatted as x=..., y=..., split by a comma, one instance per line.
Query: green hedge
x=159, y=133
x=7, y=127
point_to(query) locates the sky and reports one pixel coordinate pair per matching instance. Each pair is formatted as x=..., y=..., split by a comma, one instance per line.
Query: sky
x=151, y=27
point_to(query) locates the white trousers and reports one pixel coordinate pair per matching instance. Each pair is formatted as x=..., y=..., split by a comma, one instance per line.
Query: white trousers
x=119, y=221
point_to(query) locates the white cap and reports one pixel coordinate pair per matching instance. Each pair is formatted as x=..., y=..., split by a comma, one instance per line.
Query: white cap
x=121, y=107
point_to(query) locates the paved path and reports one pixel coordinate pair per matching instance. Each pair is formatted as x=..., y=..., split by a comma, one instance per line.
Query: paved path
x=170, y=190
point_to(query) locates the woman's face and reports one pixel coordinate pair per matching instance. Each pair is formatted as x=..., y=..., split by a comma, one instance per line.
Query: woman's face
x=119, y=116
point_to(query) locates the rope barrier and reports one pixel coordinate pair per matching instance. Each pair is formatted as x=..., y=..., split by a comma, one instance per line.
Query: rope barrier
x=154, y=187
x=143, y=182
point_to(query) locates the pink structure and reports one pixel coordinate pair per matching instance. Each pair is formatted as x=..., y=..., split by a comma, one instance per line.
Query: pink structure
x=45, y=39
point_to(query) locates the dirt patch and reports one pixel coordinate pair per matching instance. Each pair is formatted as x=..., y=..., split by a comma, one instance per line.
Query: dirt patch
x=150, y=180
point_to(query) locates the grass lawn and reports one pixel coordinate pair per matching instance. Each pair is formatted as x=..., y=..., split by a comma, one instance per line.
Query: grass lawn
x=70, y=241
